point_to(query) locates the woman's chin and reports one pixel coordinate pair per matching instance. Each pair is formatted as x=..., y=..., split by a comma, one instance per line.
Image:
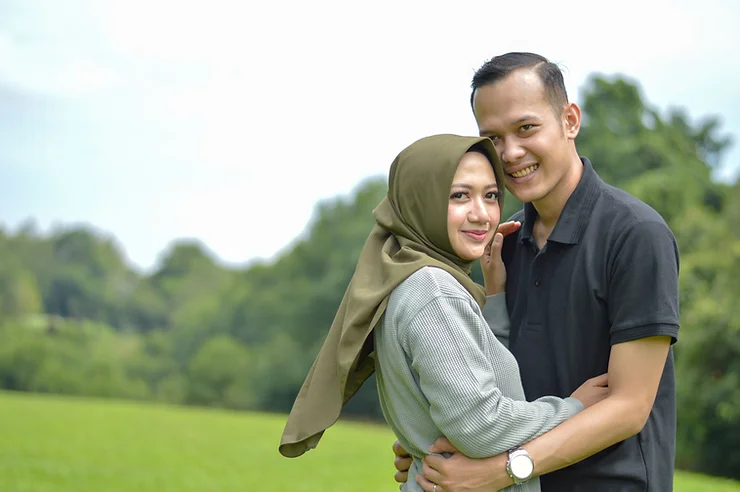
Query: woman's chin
x=472, y=255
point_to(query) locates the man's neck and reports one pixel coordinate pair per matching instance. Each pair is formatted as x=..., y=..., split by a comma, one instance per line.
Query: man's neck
x=551, y=206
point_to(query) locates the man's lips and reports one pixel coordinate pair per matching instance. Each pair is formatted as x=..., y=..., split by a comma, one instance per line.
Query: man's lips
x=522, y=172
x=477, y=235
x=519, y=167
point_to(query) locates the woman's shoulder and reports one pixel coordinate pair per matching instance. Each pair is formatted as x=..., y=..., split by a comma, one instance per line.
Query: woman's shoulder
x=433, y=279
x=422, y=287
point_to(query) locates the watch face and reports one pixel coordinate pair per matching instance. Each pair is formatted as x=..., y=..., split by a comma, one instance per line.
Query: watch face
x=522, y=466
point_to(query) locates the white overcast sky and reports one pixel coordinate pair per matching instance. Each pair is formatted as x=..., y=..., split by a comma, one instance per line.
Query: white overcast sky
x=227, y=121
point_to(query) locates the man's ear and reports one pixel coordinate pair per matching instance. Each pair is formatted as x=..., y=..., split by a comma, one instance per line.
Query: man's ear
x=572, y=120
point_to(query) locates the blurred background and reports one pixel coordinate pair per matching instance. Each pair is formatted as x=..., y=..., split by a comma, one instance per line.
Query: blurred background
x=185, y=188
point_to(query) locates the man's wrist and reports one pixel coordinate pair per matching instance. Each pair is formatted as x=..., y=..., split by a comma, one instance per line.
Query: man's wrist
x=519, y=465
x=497, y=474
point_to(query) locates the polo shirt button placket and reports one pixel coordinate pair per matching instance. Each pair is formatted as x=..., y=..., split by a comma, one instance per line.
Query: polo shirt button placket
x=537, y=283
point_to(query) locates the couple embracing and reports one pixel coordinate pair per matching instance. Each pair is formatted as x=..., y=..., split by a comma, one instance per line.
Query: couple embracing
x=558, y=374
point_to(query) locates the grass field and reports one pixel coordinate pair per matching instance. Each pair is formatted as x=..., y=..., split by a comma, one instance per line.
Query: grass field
x=56, y=444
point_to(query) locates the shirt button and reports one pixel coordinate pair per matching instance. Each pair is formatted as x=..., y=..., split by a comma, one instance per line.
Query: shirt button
x=537, y=283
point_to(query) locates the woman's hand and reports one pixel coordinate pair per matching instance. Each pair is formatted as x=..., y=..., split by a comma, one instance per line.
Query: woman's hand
x=494, y=271
x=592, y=391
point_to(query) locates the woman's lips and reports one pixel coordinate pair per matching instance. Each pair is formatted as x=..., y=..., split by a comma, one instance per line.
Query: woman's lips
x=477, y=235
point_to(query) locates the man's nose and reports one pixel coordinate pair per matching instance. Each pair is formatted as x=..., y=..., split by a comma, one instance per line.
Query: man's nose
x=511, y=151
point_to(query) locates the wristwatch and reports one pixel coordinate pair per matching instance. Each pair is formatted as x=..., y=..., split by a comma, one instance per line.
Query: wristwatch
x=519, y=466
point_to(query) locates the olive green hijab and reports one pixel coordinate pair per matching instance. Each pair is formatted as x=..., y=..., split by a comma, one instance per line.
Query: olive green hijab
x=410, y=233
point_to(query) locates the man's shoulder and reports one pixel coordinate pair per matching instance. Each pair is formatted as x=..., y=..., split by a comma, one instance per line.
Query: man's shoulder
x=623, y=210
x=623, y=222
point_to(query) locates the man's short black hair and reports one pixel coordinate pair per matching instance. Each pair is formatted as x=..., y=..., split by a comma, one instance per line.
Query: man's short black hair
x=499, y=67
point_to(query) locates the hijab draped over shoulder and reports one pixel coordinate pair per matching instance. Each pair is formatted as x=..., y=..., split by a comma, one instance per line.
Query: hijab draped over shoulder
x=410, y=233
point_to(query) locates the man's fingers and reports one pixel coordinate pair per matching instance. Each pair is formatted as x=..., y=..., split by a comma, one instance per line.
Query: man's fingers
x=402, y=464
x=401, y=477
x=429, y=476
x=398, y=450
x=426, y=484
x=434, y=462
x=442, y=445
x=431, y=472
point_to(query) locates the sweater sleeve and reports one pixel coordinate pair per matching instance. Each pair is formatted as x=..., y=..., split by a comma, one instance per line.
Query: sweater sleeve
x=497, y=317
x=445, y=342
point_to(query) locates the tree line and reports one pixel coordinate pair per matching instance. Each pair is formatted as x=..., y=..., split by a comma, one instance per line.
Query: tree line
x=76, y=319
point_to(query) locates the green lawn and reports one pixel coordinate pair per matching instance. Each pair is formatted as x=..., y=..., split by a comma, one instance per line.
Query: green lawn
x=76, y=445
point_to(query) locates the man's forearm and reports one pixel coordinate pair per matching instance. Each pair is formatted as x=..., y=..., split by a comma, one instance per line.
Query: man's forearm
x=635, y=369
x=606, y=423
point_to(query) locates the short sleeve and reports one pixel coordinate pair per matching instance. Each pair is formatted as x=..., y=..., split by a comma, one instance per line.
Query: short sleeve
x=643, y=286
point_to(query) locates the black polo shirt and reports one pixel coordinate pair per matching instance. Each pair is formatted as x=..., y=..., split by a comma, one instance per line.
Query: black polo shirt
x=608, y=274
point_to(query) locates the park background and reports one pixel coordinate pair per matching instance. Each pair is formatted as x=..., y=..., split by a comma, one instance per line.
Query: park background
x=185, y=187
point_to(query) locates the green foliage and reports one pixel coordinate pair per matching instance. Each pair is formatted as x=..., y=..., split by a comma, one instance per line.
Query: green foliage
x=75, y=319
x=220, y=373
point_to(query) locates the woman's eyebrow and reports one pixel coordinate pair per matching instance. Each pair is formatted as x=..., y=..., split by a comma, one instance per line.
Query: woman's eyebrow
x=469, y=187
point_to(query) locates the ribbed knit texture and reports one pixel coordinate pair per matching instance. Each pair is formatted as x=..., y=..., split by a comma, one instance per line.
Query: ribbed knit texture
x=442, y=372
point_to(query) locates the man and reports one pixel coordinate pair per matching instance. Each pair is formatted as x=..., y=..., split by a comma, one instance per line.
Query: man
x=592, y=287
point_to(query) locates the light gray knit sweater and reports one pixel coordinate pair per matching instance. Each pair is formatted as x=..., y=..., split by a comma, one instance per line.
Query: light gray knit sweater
x=442, y=372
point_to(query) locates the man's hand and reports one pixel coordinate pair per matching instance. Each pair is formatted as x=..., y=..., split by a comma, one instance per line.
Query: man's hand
x=402, y=463
x=458, y=473
x=492, y=266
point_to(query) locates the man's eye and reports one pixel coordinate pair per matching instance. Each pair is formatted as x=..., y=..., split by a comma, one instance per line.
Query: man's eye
x=527, y=127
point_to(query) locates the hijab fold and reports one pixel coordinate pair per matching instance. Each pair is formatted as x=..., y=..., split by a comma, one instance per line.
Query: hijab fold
x=410, y=233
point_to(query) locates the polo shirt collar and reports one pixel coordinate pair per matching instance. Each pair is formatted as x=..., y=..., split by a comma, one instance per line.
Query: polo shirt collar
x=575, y=215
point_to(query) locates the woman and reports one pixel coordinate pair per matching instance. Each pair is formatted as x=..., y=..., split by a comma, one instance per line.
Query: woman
x=441, y=371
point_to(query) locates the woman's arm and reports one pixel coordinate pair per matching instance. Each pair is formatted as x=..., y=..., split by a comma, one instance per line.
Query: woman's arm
x=446, y=342
x=497, y=317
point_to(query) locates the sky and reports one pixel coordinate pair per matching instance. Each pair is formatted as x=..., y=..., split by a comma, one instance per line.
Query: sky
x=226, y=122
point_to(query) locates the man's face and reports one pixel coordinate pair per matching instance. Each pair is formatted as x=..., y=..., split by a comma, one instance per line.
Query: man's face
x=530, y=138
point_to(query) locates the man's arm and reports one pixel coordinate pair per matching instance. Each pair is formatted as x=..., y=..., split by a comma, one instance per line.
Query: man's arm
x=643, y=310
x=635, y=369
x=445, y=342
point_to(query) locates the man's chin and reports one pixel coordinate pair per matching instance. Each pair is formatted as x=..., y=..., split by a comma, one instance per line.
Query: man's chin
x=525, y=194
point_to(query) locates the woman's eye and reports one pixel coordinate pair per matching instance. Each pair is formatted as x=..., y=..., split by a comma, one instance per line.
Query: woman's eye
x=493, y=195
x=458, y=195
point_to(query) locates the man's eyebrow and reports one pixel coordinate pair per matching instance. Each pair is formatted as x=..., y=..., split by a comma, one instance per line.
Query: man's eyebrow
x=527, y=117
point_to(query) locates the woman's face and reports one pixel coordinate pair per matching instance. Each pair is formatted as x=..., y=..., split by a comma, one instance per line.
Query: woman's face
x=473, y=213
